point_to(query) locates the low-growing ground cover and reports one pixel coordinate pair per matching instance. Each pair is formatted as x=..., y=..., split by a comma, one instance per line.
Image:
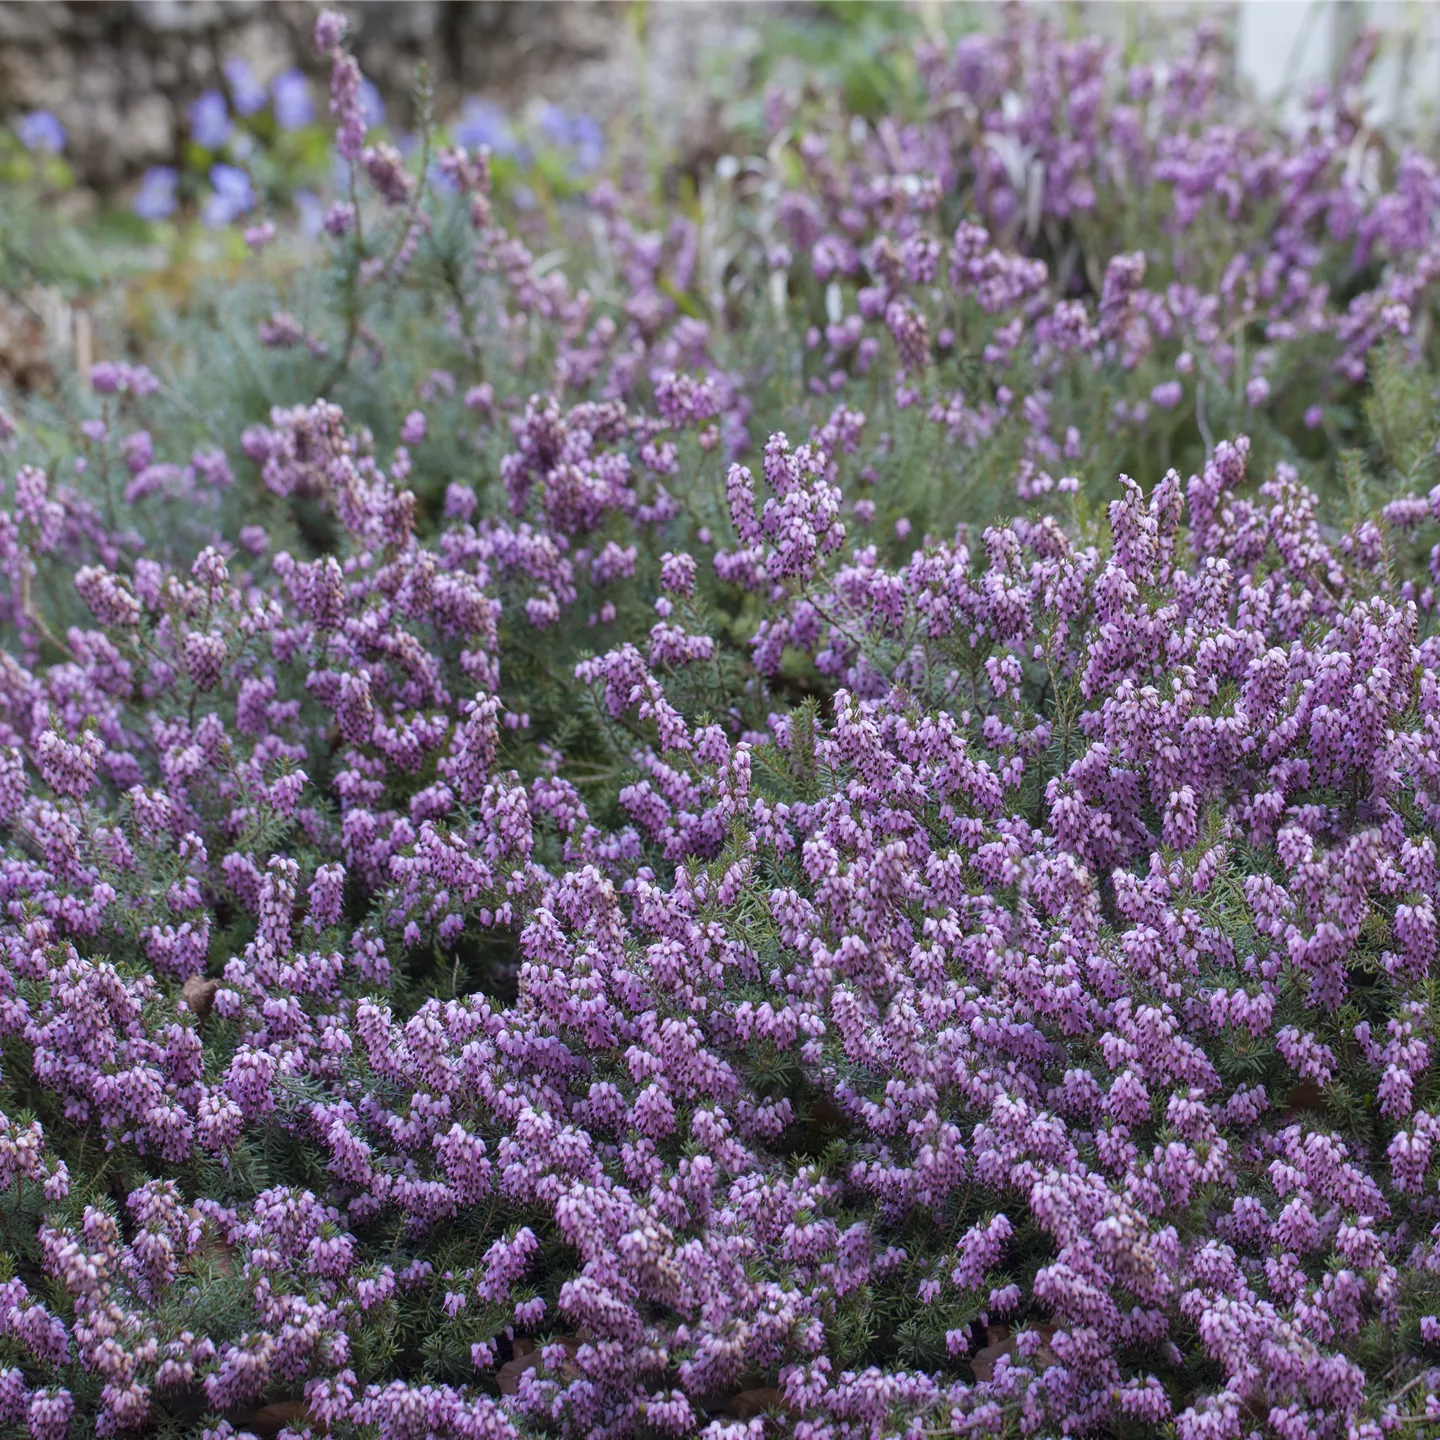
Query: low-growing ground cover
x=620, y=820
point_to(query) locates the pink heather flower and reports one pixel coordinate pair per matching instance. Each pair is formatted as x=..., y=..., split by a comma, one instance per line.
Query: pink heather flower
x=386, y=168
x=347, y=107
x=677, y=573
x=452, y=997
x=257, y=237
x=110, y=598
x=69, y=768
x=49, y=1414
x=330, y=27
x=204, y=659
x=13, y=783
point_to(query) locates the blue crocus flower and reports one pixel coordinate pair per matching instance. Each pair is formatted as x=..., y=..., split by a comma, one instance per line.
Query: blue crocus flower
x=40, y=130
x=155, y=200
x=588, y=141
x=247, y=94
x=555, y=124
x=482, y=122
x=294, y=108
x=233, y=196
x=210, y=120
x=580, y=134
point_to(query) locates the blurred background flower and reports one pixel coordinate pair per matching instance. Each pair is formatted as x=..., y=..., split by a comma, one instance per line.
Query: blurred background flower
x=578, y=133
x=155, y=200
x=246, y=93
x=40, y=130
x=372, y=104
x=482, y=122
x=233, y=196
x=210, y=124
x=292, y=105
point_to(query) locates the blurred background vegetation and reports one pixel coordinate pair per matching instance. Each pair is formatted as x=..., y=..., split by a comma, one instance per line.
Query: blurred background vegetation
x=125, y=209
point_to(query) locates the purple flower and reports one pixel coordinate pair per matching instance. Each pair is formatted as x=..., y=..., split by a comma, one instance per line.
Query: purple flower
x=330, y=27
x=555, y=124
x=339, y=216
x=482, y=122
x=210, y=124
x=155, y=199
x=294, y=108
x=40, y=130
x=1074, y=867
x=347, y=105
x=233, y=195
x=579, y=133
x=246, y=93
x=257, y=237
x=587, y=139
x=111, y=377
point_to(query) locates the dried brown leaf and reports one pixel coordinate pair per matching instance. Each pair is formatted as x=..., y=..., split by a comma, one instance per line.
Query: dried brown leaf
x=1307, y=1095
x=749, y=1403
x=983, y=1361
x=199, y=994
x=507, y=1377
x=272, y=1419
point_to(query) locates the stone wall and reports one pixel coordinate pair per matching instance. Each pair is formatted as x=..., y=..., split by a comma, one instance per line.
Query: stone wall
x=119, y=73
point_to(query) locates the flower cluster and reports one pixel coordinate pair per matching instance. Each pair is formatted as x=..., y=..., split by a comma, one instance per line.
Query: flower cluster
x=528, y=912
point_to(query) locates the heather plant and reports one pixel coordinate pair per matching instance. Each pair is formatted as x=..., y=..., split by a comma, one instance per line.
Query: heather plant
x=1191, y=278
x=659, y=840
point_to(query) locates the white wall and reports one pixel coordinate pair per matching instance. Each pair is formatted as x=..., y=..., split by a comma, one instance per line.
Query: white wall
x=1284, y=47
